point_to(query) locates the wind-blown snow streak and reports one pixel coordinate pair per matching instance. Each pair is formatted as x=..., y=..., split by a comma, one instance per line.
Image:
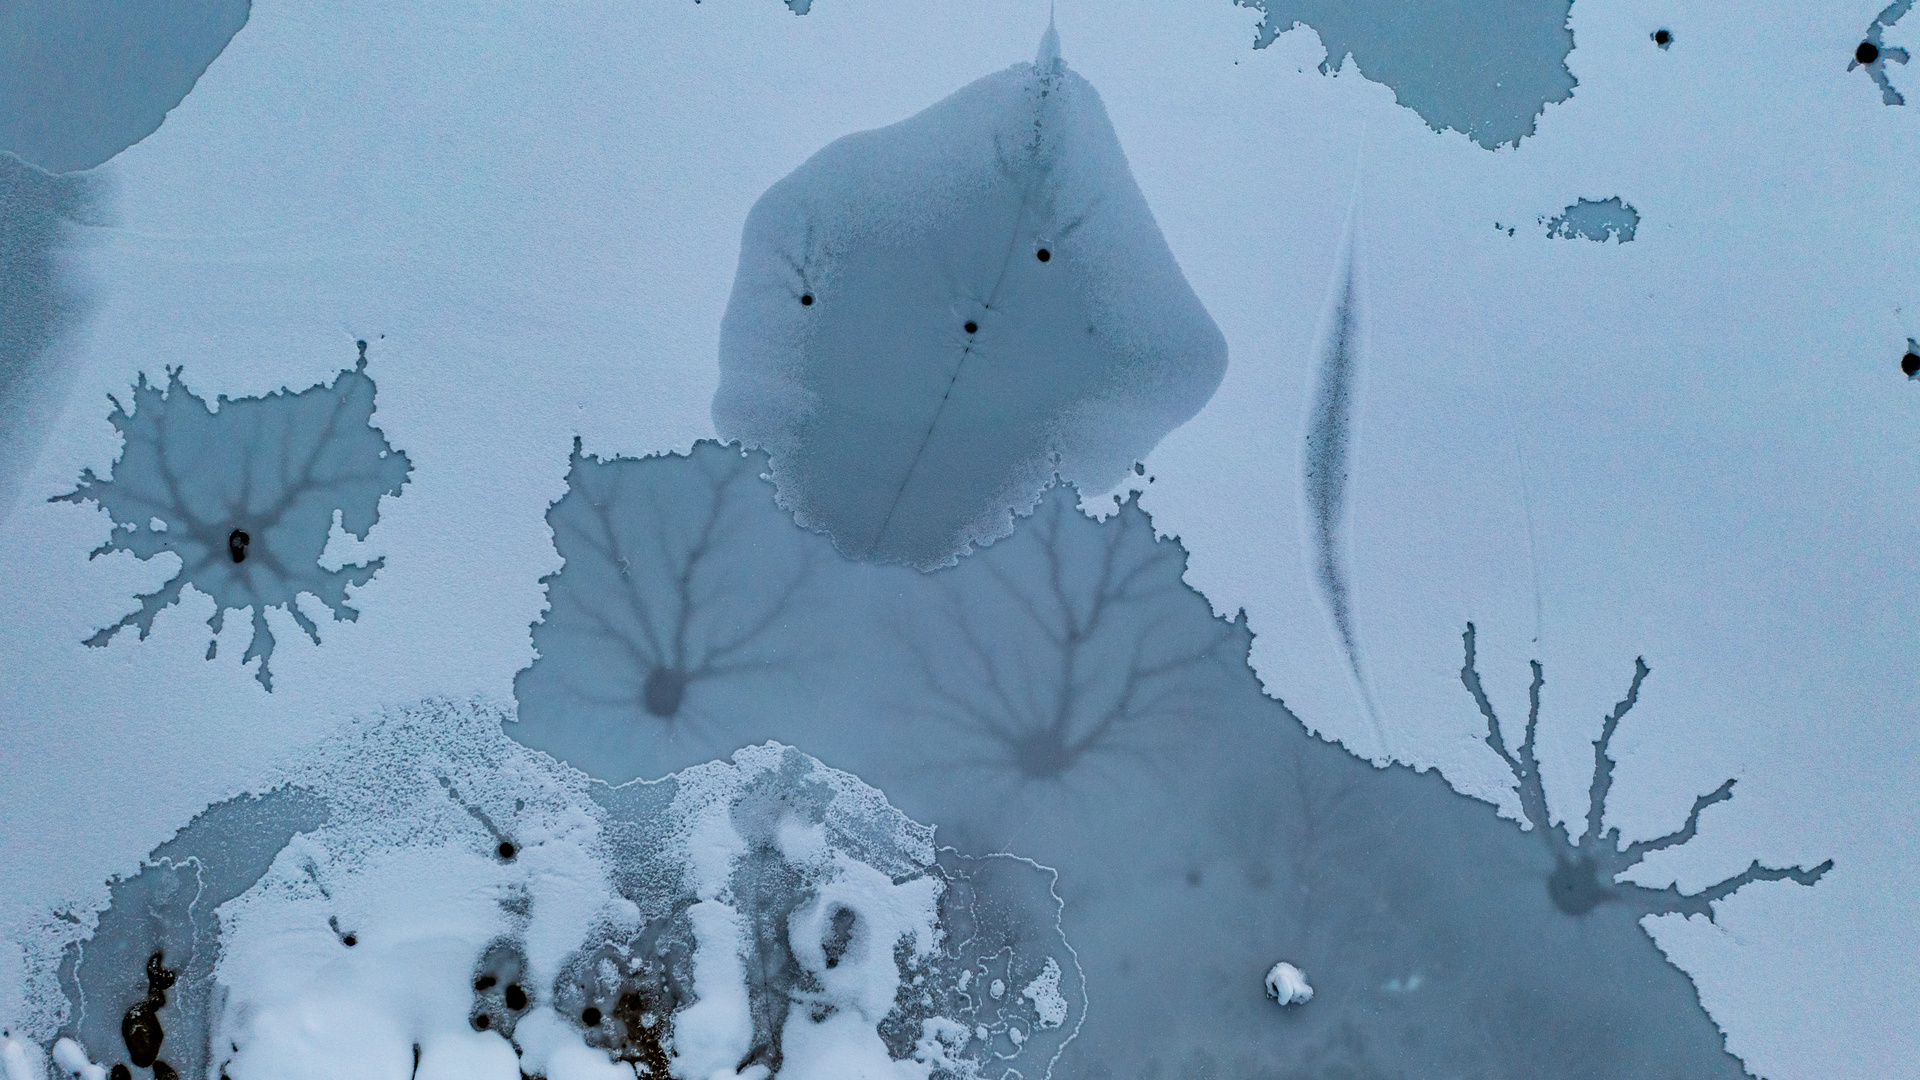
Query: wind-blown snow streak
x=1329, y=438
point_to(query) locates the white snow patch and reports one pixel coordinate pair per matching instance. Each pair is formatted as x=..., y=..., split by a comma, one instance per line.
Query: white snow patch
x=1288, y=984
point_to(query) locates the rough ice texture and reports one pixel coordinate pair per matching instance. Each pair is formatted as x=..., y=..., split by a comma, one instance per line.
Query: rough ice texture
x=1063, y=693
x=1595, y=219
x=472, y=909
x=1887, y=54
x=82, y=80
x=40, y=304
x=245, y=497
x=1487, y=70
x=140, y=986
x=846, y=351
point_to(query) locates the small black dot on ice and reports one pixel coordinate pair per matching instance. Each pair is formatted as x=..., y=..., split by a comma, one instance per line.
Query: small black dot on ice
x=237, y=542
x=1043, y=254
x=1663, y=38
x=484, y=982
x=1866, y=52
x=806, y=299
x=482, y=1022
x=590, y=1016
x=506, y=850
x=349, y=941
x=972, y=326
x=516, y=997
x=1910, y=364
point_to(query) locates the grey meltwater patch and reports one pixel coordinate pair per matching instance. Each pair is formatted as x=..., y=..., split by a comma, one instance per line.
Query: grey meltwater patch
x=82, y=80
x=1063, y=693
x=1486, y=70
x=932, y=319
x=1595, y=219
x=245, y=497
x=41, y=303
x=140, y=987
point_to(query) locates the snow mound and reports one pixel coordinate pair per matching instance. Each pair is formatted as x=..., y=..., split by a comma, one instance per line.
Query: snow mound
x=1288, y=984
x=430, y=899
x=931, y=319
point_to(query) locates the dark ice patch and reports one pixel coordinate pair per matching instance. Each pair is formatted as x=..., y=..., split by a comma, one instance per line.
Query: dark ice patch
x=1595, y=219
x=143, y=980
x=1487, y=70
x=279, y=470
x=1874, y=54
x=82, y=80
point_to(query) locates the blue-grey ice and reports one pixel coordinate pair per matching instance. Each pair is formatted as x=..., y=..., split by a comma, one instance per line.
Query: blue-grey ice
x=1063, y=693
x=1487, y=70
x=1874, y=54
x=1326, y=465
x=41, y=303
x=82, y=80
x=245, y=497
x=932, y=319
x=1599, y=220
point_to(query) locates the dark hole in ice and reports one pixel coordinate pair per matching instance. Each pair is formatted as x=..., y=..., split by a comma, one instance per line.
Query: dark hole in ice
x=120, y=1072
x=506, y=849
x=482, y=1022
x=590, y=1016
x=1663, y=38
x=140, y=1027
x=806, y=299
x=972, y=326
x=665, y=689
x=484, y=983
x=1866, y=52
x=349, y=941
x=1043, y=254
x=164, y=1071
x=237, y=542
x=1910, y=364
x=1575, y=886
x=839, y=936
x=516, y=997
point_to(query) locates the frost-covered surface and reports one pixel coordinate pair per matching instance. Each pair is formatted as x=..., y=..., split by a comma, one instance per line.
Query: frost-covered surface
x=41, y=303
x=1287, y=984
x=1595, y=219
x=82, y=80
x=931, y=319
x=245, y=497
x=1062, y=693
x=540, y=208
x=427, y=899
x=1487, y=70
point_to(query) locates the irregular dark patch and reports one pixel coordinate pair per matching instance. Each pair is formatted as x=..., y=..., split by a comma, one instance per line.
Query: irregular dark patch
x=1485, y=70
x=1586, y=871
x=1874, y=54
x=246, y=498
x=1600, y=220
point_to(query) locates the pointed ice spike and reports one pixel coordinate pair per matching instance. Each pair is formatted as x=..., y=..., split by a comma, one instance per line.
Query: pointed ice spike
x=1047, y=60
x=931, y=319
